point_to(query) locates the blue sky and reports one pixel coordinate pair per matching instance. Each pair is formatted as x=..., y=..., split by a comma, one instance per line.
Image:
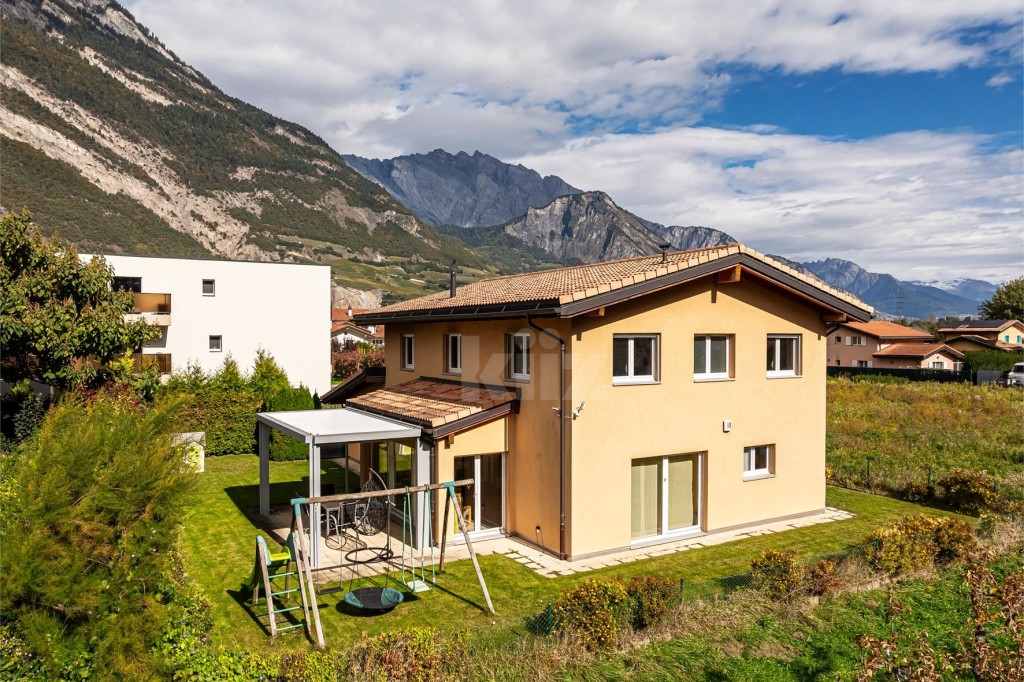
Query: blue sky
x=888, y=133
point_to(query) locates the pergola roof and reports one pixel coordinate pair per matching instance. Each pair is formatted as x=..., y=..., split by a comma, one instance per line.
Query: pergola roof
x=346, y=425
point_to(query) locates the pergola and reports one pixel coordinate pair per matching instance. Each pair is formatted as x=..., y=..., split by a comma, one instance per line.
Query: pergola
x=319, y=428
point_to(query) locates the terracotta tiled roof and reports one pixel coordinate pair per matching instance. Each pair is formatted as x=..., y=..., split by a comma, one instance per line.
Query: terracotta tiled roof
x=980, y=340
x=566, y=285
x=979, y=326
x=887, y=330
x=916, y=350
x=430, y=402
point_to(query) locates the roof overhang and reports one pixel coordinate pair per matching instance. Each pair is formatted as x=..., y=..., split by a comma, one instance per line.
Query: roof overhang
x=346, y=425
x=749, y=265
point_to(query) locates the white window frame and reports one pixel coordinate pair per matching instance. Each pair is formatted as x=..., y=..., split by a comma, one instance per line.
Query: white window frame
x=510, y=356
x=213, y=287
x=938, y=364
x=632, y=378
x=750, y=471
x=450, y=341
x=667, y=533
x=408, y=360
x=220, y=343
x=855, y=341
x=714, y=376
x=797, y=360
x=867, y=363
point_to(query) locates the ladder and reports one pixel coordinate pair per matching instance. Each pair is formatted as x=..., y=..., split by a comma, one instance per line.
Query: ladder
x=268, y=571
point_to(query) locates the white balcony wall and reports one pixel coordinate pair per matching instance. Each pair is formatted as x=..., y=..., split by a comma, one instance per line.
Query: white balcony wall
x=284, y=309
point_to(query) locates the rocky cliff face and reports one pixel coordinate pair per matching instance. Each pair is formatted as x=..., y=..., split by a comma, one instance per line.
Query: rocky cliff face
x=590, y=227
x=461, y=189
x=117, y=145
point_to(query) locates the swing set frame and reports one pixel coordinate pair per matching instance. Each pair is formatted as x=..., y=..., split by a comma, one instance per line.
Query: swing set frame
x=302, y=544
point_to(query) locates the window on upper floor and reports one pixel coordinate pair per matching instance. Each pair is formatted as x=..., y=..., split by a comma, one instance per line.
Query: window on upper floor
x=132, y=284
x=408, y=349
x=453, y=353
x=758, y=461
x=712, y=357
x=209, y=287
x=634, y=359
x=855, y=341
x=839, y=338
x=783, y=359
x=216, y=343
x=517, y=356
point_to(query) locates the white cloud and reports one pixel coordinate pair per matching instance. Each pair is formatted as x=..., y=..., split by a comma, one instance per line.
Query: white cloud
x=999, y=80
x=548, y=82
x=368, y=75
x=921, y=205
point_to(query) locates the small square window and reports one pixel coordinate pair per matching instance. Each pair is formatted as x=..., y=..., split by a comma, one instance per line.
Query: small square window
x=839, y=339
x=783, y=359
x=216, y=344
x=712, y=357
x=517, y=353
x=758, y=461
x=635, y=359
x=209, y=287
x=453, y=353
x=408, y=349
x=938, y=365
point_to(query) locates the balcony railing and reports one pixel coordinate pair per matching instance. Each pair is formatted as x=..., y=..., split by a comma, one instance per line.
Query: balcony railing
x=151, y=308
x=162, y=361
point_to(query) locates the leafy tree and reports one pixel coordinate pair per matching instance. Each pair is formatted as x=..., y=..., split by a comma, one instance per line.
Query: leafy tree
x=89, y=535
x=1007, y=303
x=57, y=311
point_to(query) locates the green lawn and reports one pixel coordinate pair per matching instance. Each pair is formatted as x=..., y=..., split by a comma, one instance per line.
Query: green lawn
x=220, y=546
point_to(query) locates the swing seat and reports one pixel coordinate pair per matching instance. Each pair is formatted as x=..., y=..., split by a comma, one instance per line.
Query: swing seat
x=418, y=586
x=378, y=599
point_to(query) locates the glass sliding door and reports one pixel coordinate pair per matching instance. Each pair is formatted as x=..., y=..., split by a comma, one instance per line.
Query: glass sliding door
x=665, y=496
x=483, y=503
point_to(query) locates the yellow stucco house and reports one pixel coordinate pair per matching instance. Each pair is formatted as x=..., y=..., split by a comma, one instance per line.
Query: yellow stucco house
x=614, y=405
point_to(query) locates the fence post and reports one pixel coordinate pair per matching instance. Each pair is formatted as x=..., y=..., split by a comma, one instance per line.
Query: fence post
x=868, y=476
x=682, y=585
x=929, y=477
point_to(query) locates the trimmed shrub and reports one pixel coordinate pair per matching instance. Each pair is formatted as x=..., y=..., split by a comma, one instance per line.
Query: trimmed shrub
x=420, y=654
x=283, y=447
x=650, y=598
x=594, y=612
x=777, y=572
x=970, y=490
x=822, y=578
x=902, y=546
x=228, y=416
x=955, y=541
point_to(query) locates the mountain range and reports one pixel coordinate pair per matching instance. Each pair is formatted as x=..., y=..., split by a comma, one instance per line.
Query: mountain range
x=118, y=146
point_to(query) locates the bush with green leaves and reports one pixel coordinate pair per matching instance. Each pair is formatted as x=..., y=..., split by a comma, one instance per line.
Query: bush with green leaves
x=420, y=654
x=650, y=598
x=918, y=541
x=282, y=446
x=594, y=612
x=778, y=572
x=100, y=493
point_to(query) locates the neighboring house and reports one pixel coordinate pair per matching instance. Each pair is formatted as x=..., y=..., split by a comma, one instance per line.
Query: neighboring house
x=919, y=356
x=612, y=405
x=209, y=309
x=969, y=342
x=854, y=344
x=1006, y=334
x=343, y=329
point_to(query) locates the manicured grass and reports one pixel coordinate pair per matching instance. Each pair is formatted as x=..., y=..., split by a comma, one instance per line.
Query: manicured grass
x=220, y=545
x=907, y=429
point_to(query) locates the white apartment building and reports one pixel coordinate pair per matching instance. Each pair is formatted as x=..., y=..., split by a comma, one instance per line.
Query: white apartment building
x=209, y=309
